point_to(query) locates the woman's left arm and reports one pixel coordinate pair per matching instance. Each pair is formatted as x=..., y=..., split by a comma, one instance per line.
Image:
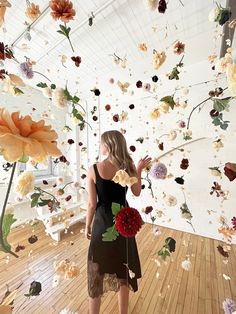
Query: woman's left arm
x=92, y=202
x=143, y=163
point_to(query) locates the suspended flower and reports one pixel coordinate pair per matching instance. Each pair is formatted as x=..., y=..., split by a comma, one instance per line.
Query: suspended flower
x=215, y=171
x=151, y=4
x=4, y=4
x=233, y=220
x=231, y=78
x=170, y=200
x=21, y=136
x=59, y=98
x=158, y=171
x=229, y=306
x=77, y=60
x=25, y=183
x=128, y=222
x=32, y=11
x=121, y=177
x=148, y=210
x=142, y=47
x=11, y=83
x=62, y=10
x=164, y=106
x=158, y=59
x=218, y=144
x=155, y=113
x=179, y=48
x=172, y=135
x=162, y=6
x=35, y=289
x=26, y=70
x=47, y=92
x=5, y=52
x=186, y=264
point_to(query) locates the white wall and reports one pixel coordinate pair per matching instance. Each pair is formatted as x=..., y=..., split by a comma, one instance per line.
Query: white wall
x=201, y=155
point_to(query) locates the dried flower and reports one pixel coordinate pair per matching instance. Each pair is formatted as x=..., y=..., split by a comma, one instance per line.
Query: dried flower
x=158, y=59
x=62, y=10
x=158, y=171
x=186, y=264
x=21, y=136
x=32, y=11
x=47, y=92
x=229, y=306
x=172, y=135
x=179, y=48
x=26, y=70
x=59, y=98
x=4, y=4
x=162, y=6
x=164, y=106
x=233, y=220
x=121, y=177
x=222, y=251
x=25, y=183
x=170, y=200
x=69, y=269
x=215, y=171
x=148, y=210
x=231, y=78
x=5, y=52
x=142, y=47
x=128, y=222
x=77, y=60
x=218, y=144
x=155, y=113
x=35, y=289
x=151, y=4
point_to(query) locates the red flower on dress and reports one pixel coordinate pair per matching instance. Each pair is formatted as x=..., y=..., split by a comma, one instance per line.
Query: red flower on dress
x=128, y=222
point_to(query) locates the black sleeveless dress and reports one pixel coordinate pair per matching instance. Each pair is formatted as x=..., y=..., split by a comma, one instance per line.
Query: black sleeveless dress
x=107, y=261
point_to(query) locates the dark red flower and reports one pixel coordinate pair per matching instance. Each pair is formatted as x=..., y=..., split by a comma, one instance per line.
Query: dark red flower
x=234, y=222
x=5, y=52
x=108, y=107
x=80, y=144
x=131, y=106
x=139, y=84
x=161, y=146
x=148, y=210
x=77, y=60
x=116, y=117
x=229, y=172
x=128, y=222
x=70, y=141
x=179, y=180
x=45, y=182
x=184, y=164
x=63, y=159
x=33, y=239
x=3, y=74
x=95, y=118
x=162, y=6
x=222, y=252
x=214, y=113
x=19, y=248
x=69, y=197
x=155, y=78
x=132, y=148
x=83, y=176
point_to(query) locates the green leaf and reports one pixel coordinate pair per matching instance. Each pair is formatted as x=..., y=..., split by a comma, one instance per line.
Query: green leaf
x=221, y=104
x=224, y=126
x=63, y=28
x=8, y=220
x=115, y=208
x=34, y=199
x=111, y=234
x=43, y=202
x=61, y=32
x=24, y=159
x=17, y=91
x=42, y=85
x=216, y=121
x=68, y=95
x=53, y=86
x=169, y=100
x=75, y=99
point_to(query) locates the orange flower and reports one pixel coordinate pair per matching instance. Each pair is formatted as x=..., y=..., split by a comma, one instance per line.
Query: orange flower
x=179, y=48
x=62, y=10
x=4, y=4
x=32, y=12
x=21, y=136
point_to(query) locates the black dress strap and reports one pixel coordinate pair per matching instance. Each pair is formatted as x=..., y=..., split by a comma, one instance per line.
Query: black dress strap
x=96, y=171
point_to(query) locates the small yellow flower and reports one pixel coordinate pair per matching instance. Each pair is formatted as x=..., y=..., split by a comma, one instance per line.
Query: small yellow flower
x=158, y=59
x=164, y=107
x=155, y=114
x=25, y=183
x=121, y=177
x=142, y=47
x=172, y=135
x=217, y=145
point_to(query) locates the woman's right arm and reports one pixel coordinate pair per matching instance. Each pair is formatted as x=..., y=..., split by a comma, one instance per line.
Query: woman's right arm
x=92, y=202
x=143, y=163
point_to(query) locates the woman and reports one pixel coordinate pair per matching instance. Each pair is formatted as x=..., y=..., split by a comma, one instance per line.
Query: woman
x=107, y=261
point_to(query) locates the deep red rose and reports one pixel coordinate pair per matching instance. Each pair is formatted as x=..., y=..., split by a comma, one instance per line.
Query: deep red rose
x=116, y=117
x=70, y=141
x=139, y=84
x=132, y=148
x=148, y=210
x=77, y=60
x=230, y=174
x=108, y=107
x=162, y=6
x=128, y=222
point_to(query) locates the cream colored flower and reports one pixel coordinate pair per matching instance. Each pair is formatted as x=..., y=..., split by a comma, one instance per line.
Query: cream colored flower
x=10, y=84
x=142, y=47
x=4, y=4
x=164, y=106
x=216, y=172
x=212, y=58
x=59, y=98
x=170, y=200
x=172, y=135
x=151, y=4
x=47, y=92
x=123, y=62
x=158, y=59
x=123, y=116
x=222, y=63
x=218, y=145
x=183, y=103
x=186, y=264
x=25, y=183
x=184, y=91
x=155, y=114
x=32, y=12
x=121, y=177
x=231, y=78
x=186, y=215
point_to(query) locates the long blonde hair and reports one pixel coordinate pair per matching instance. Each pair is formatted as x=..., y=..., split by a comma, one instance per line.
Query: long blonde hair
x=118, y=152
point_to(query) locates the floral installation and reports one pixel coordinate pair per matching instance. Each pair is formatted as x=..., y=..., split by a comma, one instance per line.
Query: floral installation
x=32, y=11
x=66, y=269
x=63, y=10
x=229, y=306
x=4, y=4
x=179, y=48
x=158, y=170
x=127, y=222
x=174, y=75
x=158, y=59
x=121, y=177
x=21, y=138
x=219, y=14
x=167, y=248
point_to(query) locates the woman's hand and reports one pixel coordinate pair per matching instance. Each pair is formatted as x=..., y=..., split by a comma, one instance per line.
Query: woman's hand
x=88, y=232
x=143, y=163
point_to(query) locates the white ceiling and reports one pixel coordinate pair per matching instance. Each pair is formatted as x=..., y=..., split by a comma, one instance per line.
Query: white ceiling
x=119, y=26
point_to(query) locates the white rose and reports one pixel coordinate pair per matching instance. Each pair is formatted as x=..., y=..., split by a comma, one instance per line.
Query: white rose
x=172, y=135
x=59, y=98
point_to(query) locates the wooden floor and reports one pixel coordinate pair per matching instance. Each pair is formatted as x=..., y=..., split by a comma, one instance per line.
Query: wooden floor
x=175, y=291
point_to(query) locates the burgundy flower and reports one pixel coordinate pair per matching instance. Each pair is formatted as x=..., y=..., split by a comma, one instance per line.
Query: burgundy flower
x=5, y=52
x=83, y=176
x=148, y=210
x=19, y=248
x=63, y=159
x=131, y=106
x=95, y=118
x=234, y=222
x=214, y=113
x=184, y=164
x=108, y=107
x=33, y=239
x=179, y=180
x=229, y=171
x=69, y=197
x=116, y=118
x=162, y=6
x=155, y=78
x=45, y=182
x=128, y=222
x=222, y=252
x=132, y=148
x=70, y=141
x=3, y=74
x=161, y=146
x=77, y=60
x=139, y=84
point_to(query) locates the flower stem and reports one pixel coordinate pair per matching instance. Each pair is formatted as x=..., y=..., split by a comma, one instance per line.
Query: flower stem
x=68, y=37
x=42, y=75
x=6, y=250
x=189, y=222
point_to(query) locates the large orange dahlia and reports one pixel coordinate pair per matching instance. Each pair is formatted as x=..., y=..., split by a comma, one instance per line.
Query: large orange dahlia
x=62, y=10
x=21, y=136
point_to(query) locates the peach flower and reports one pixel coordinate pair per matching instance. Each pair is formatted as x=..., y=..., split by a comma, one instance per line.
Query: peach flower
x=32, y=12
x=158, y=59
x=21, y=136
x=25, y=183
x=4, y=4
x=62, y=10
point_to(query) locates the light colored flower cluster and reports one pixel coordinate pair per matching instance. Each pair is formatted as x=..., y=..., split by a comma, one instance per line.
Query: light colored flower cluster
x=25, y=183
x=158, y=59
x=121, y=177
x=59, y=98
